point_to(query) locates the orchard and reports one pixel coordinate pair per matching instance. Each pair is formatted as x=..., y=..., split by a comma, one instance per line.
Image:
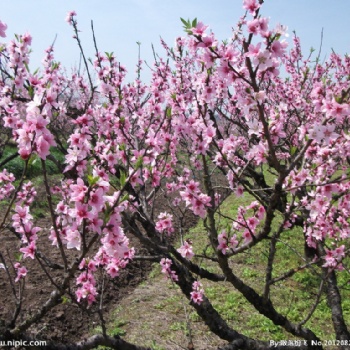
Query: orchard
x=247, y=135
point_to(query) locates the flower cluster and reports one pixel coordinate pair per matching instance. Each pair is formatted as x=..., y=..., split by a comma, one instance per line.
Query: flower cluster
x=226, y=243
x=210, y=125
x=165, y=223
x=186, y=250
x=6, y=186
x=21, y=271
x=197, y=292
x=195, y=199
x=22, y=220
x=166, y=269
x=247, y=221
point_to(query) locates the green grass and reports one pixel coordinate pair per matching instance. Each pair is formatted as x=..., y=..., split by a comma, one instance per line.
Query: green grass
x=16, y=166
x=292, y=297
x=39, y=207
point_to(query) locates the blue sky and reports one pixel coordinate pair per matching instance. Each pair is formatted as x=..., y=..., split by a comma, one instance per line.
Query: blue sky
x=119, y=24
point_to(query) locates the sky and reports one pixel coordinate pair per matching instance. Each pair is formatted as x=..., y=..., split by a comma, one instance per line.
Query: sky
x=120, y=24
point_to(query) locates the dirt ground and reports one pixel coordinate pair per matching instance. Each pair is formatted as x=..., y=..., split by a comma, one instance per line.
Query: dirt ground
x=66, y=322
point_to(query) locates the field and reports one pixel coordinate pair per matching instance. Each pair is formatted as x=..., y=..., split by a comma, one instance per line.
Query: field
x=142, y=302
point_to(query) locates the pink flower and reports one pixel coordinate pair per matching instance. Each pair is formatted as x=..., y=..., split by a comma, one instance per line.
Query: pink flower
x=251, y=6
x=112, y=269
x=222, y=239
x=239, y=191
x=3, y=28
x=197, y=297
x=43, y=144
x=186, y=250
x=73, y=239
x=165, y=223
x=258, y=26
x=69, y=17
x=323, y=133
x=247, y=237
x=96, y=200
x=81, y=212
x=29, y=251
x=334, y=257
x=167, y=271
x=278, y=48
x=21, y=271
x=199, y=29
x=197, y=293
x=22, y=215
x=78, y=190
x=233, y=242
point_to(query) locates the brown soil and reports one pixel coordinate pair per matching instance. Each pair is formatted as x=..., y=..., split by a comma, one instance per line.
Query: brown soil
x=66, y=322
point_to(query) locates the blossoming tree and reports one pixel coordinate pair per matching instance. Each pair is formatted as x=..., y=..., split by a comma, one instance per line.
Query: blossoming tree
x=216, y=119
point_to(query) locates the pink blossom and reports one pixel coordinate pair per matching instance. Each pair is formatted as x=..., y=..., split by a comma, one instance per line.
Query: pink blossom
x=73, y=238
x=165, y=223
x=96, y=200
x=251, y=6
x=199, y=29
x=278, y=48
x=21, y=271
x=166, y=269
x=197, y=293
x=3, y=28
x=78, y=190
x=334, y=257
x=247, y=237
x=29, y=251
x=233, y=242
x=69, y=17
x=186, y=250
x=223, y=242
x=112, y=269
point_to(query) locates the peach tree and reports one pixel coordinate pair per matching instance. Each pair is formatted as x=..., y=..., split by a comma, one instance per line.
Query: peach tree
x=245, y=118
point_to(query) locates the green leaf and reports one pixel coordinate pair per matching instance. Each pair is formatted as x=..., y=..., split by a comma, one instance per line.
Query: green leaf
x=168, y=112
x=18, y=256
x=122, y=179
x=107, y=213
x=338, y=99
x=185, y=22
x=27, y=67
x=293, y=149
x=92, y=180
x=188, y=25
x=55, y=65
x=31, y=91
x=109, y=55
x=34, y=159
x=125, y=197
x=139, y=162
x=65, y=299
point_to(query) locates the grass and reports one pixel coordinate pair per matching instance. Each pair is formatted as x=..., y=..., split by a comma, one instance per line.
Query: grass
x=16, y=166
x=293, y=297
x=162, y=310
x=39, y=208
